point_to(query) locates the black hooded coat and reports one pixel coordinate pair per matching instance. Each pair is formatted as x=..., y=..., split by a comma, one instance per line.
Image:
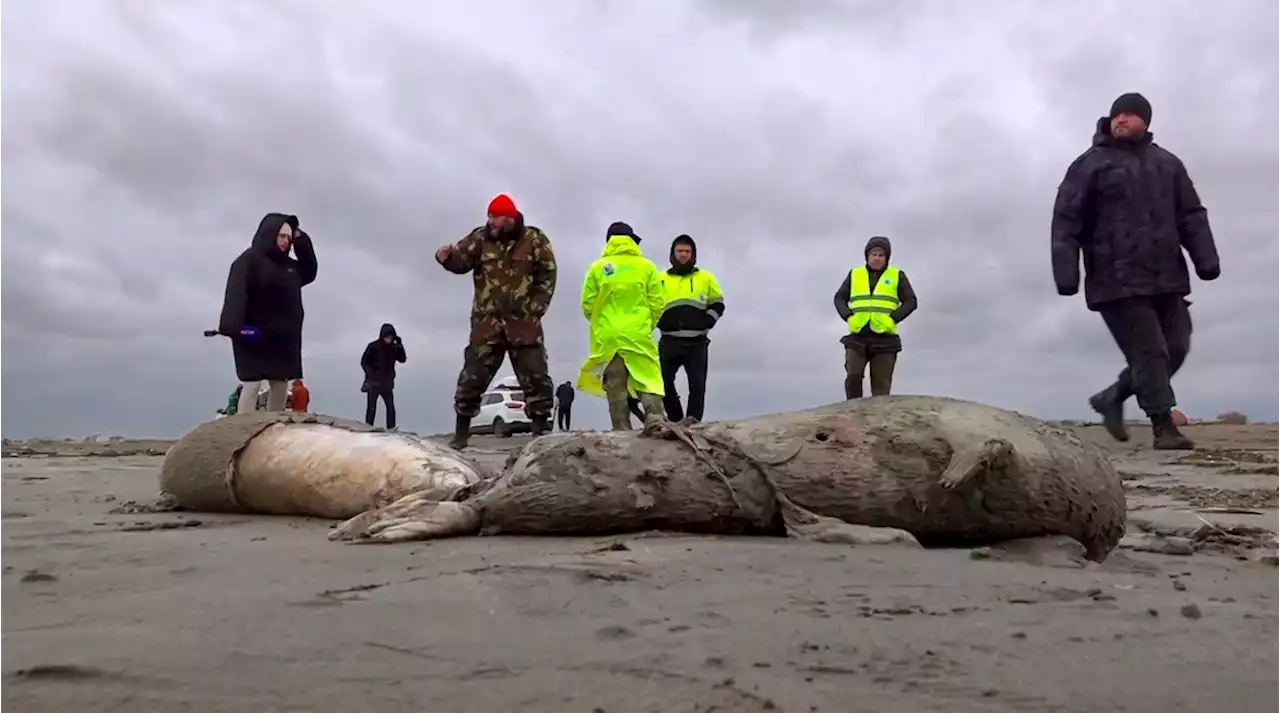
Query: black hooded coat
x=264, y=291
x=379, y=360
x=1130, y=209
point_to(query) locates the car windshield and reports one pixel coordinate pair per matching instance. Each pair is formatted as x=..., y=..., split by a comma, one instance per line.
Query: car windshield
x=515, y=396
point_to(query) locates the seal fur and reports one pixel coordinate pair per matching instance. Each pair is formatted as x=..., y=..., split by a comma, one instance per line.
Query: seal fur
x=305, y=464
x=949, y=472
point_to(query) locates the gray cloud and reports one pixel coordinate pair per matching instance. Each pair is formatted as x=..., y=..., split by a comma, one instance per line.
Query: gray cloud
x=142, y=145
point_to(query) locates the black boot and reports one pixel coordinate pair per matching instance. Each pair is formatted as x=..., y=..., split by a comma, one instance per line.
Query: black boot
x=461, y=432
x=1167, y=437
x=1111, y=409
x=541, y=425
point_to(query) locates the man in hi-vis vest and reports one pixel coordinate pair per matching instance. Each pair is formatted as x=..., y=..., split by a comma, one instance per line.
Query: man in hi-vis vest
x=873, y=299
x=694, y=305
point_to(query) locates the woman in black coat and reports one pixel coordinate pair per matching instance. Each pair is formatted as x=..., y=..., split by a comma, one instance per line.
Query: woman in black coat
x=262, y=310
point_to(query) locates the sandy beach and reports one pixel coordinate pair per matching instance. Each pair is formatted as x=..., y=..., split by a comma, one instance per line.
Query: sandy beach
x=107, y=609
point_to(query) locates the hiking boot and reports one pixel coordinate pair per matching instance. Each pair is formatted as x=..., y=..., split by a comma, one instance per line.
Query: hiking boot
x=653, y=411
x=541, y=425
x=1112, y=411
x=688, y=421
x=461, y=433
x=1167, y=437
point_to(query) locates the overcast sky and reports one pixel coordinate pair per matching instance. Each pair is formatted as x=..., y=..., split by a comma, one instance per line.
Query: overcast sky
x=142, y=143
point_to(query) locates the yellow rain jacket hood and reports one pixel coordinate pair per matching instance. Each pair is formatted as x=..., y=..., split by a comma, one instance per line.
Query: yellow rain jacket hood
x=622, y=299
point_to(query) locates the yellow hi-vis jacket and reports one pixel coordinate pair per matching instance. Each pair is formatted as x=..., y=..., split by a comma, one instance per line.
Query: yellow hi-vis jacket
x=693, y=304
x=622, y=298
x=873, y=307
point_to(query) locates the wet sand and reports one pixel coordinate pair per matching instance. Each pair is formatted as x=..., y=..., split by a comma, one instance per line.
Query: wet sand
x=193, y=612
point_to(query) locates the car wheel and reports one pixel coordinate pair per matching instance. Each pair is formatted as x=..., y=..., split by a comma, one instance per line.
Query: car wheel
x=500, y=428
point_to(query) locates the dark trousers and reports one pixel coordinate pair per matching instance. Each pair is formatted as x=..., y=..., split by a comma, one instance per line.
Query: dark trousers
x=690, y=354
x=856, y=361
x=1154, y=333
x=371, y=405
x=564, y=414
x=481, y=363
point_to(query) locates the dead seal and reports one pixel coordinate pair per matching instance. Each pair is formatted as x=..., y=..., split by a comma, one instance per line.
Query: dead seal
x=949, y=472
x=282, y=463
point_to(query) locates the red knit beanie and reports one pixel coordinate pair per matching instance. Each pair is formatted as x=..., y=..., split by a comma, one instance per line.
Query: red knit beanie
x=503, y=206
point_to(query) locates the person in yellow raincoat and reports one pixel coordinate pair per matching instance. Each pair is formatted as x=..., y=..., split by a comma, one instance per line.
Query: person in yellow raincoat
x=622, y=299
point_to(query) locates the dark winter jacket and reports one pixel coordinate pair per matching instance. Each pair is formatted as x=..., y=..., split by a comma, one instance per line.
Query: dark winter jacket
x=264, y=291
x=876, y=343
x=379, y=360
x=1131, y=209
x=564, y=394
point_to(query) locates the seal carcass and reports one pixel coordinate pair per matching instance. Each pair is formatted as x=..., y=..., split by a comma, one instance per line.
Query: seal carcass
x=283, y=463
x=948, y=472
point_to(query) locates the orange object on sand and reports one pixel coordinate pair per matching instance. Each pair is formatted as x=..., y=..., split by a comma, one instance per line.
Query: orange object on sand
x=300, y=395
x=1179, y=418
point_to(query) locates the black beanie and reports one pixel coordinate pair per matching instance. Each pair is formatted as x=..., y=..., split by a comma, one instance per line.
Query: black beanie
x=1132, y=103
x=621, y=228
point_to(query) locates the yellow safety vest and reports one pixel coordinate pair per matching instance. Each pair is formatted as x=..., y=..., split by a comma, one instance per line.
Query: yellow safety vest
x=694, y=293
x=873, y=307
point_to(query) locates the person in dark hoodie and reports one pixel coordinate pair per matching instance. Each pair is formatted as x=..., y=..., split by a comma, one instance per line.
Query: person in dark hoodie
x=379, y=364
x=873, y=300
x=564, y=405
x=694, y=305
x=1130, y=208
x=262, y=309
x=514, y=272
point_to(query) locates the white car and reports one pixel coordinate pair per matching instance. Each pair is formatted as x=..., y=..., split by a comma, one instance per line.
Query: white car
x=502, y=414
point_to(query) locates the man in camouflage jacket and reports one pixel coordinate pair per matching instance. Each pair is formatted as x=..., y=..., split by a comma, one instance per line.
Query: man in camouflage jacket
x=514, y=271
x=1129, y=207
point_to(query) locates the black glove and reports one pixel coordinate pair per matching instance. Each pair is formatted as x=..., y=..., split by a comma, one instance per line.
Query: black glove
x=1210, y=274
x=1068, y=290
x=396, y=341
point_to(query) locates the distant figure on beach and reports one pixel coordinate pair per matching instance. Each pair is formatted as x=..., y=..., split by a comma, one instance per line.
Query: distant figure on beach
x=564, y=405
x=233, y=402
x=262, y=309
x=379, y=364
x=299, y=397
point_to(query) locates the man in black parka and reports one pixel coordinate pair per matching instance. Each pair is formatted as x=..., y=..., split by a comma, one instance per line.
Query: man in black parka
x=262, y=309
x=379, y=365
x=1130, y=207
x=564, y=406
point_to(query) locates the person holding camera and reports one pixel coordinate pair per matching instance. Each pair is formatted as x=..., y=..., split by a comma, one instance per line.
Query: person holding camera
x=379, y=364
x=262, y=309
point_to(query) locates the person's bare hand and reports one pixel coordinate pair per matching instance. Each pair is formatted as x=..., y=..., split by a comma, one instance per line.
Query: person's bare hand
x=443, y=252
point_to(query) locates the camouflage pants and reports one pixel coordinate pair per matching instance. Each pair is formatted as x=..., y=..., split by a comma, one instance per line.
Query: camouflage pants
x=615, y=392
x=481, y=364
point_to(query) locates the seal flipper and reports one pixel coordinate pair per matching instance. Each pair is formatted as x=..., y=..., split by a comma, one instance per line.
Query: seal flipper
x=417, y=516
x=968, y=463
